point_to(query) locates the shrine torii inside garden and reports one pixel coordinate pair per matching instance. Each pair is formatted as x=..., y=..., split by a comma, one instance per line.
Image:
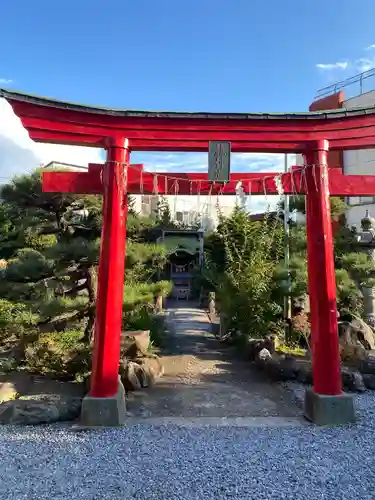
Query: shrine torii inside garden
x=121, y=131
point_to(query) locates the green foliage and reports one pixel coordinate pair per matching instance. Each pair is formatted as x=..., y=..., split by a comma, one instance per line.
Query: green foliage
x=51, y=245
x=14, y=316
x=242, y=268
x=142, y=318
x=28, y=265
x=64, y=355
x=353, y=267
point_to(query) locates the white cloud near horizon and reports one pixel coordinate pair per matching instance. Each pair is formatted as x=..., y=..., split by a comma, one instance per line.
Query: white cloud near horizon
x=359, y=65
x=5, y=81
x=19, y=154
x=330, y=66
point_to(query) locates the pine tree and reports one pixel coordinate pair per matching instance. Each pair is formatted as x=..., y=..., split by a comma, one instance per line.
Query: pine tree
x=353, y=268
x=51, y=247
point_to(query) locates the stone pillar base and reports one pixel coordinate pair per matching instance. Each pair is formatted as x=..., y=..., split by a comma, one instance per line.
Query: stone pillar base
x=329, y=410
x=104, y=412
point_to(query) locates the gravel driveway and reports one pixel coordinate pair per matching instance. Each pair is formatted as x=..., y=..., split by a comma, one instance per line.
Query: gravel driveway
x=171, y=462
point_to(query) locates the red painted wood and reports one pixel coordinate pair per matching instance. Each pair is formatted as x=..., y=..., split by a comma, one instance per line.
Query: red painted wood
x=72, y=182
x=259, y=135
x=106, y=354
x=248, y=147
x=235, y=122
x=195, y=183
x=266, y=131
x=46, y=136
x=321, y=277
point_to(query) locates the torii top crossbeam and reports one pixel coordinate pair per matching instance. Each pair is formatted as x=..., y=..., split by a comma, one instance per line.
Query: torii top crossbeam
x=49, y=120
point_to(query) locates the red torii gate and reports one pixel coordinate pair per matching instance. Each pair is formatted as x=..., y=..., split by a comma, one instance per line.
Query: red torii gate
x=121, y=131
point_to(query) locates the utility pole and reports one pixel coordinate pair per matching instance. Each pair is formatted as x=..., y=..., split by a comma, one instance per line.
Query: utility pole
x=287, y=298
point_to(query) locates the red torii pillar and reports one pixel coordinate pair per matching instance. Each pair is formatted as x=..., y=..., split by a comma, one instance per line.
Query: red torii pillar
x=117, y=179
x=326, y=403
x=104, y=379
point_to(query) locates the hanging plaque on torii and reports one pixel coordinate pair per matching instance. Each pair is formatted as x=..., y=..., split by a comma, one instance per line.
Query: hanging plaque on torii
x=219, y=161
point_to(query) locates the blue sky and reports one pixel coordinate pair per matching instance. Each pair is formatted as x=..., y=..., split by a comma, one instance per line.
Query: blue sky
x=192, y=55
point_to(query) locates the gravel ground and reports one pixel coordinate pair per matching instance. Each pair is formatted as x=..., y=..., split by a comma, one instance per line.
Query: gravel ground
x=169, y=462
x=204, y=378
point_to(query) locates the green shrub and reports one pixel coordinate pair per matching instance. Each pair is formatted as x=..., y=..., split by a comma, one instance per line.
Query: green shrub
x=16, y=321
x=144, y=318
x=241, y=267
x=61, y=354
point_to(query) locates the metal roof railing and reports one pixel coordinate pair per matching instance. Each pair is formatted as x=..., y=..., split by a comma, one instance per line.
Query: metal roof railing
x=357, y=80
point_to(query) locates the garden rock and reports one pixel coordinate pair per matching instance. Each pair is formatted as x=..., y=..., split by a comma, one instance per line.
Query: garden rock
x=352, y=380
x=304, y=375
x=40, y=409
x=152, y=369
x=131, y=375
x=357, y=332
x=140, y=373
x=134, y=344
x=369, y=381
x=254, y=346
x=264, y=355
x=352, y=354
x=282, y=369
x=367, y=365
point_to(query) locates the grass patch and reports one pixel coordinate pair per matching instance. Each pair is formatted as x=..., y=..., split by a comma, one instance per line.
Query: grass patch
x=292, y=350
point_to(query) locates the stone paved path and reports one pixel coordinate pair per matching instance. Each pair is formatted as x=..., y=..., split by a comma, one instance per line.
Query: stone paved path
x=203, y=378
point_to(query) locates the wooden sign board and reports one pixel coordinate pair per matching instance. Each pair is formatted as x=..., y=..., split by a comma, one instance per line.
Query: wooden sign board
x=219, y=161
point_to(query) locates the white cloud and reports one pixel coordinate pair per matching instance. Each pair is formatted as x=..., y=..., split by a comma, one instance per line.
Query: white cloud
x=331, y=66
x=359, y=65
x=19, y=154
x=365, y=64
x=5, y=81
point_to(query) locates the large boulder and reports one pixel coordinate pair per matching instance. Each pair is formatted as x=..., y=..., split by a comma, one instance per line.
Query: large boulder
x=352, y=354
x=369, y=381
x=135, y=344
x=131, y=375
x=352, y=380
x=367, y=365
x=279, y=368
x=40, y=409
x=357, y=332
x=140, y=373
x=152, y=368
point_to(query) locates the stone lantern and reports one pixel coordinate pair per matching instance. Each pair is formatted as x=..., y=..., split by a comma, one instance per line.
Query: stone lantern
x=366, y=240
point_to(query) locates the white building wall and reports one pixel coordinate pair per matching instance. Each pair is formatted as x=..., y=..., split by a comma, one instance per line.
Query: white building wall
x=360, y=162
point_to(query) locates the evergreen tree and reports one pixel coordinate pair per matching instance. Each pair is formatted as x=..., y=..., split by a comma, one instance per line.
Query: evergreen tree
x=51, y=248
x=240, y=264
x=353, y=268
